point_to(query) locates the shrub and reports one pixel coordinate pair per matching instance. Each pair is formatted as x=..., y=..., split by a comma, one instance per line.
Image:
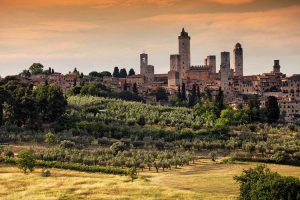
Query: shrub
x=45, y=172
x=280, y=157
x=118, y=146
x=8, y=153
x=213, y=156
x=131, y=122
x=67, y=144
x=141, y=121
x=26, y=160
x=50, y=138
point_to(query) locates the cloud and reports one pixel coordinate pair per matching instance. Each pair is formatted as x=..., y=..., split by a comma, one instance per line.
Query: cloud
x=97, y=3
x=232, y=2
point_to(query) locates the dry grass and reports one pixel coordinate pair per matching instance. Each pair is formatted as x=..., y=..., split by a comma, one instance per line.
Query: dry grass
x=205, y=180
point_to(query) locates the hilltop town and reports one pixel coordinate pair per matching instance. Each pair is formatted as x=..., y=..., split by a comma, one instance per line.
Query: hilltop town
x=236, y=86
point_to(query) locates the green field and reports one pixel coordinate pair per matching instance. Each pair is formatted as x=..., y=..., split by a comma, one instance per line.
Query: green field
x=203, y=180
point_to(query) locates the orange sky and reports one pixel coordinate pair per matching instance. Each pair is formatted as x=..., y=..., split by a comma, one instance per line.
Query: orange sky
x=101, y=34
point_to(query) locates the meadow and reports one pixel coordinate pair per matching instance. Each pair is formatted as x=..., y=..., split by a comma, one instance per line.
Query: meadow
x=202, y=180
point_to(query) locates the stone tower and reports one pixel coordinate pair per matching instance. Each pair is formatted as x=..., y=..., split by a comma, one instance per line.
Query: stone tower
x=225, y=70
x=211, y=61
x=276, y=67
x=184, y=52
x=143, y=63
x=238, y=60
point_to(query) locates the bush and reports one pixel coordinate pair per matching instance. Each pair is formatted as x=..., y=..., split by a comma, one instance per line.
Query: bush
x=50, y=138
x=45, y=172
x=280, y=157
x=118, y=146
x=131, y=122
x=67, y=144
x=26, y=160
x=141, y=121
x=8, y=153
x=213, y=156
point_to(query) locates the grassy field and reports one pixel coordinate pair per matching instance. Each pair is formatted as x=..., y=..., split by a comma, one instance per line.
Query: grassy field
x=204, y=180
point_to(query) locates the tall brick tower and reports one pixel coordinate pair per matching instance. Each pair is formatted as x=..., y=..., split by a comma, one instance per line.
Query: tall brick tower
x=184, y=52
x=238, y=60
x=225, y=70
x=143, y=63
x=276, y=67
x=211, y=61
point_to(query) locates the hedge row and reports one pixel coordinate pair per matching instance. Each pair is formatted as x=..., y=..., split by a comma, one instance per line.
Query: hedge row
x=267, y=160
x=71, y=166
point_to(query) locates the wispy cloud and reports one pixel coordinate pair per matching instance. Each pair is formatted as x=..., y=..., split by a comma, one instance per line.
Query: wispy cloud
x=232, y=2
x=100, y=3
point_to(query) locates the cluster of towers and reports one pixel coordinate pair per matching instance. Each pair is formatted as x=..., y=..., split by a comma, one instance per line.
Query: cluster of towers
x=180, y=64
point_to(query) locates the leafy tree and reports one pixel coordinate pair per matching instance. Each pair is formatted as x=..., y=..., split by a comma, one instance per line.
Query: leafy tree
x=161, y=94
x=20, y=105
x=123, y=73
x=36, y=68
x=273, y=111
x=131, y=72
x=26, y=160
x=95, y=74
x=116, y=72
x=134, y=89
x=118, y=146
x=90, y=89
x=50, y=138
x=132, y=173
x=213, y=156
x=105, y=74
x=261, y=183
x=8, y=153
x=50, y=101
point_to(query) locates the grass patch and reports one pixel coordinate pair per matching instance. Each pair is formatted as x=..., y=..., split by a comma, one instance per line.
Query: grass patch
x=205, y=180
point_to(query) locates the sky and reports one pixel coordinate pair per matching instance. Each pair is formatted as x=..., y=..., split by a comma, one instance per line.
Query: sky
x=96, y=35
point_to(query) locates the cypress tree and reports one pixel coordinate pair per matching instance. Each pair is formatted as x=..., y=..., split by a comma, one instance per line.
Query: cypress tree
x=273, y=111
x=134, y=89
x=179, y=93
x=131, y=72
x=116, y=72
x=198, y=92
x=183, y=92
x=219, y=102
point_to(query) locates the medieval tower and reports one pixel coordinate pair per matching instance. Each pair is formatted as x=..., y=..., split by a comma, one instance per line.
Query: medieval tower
x=146, y=70
x=184, y=52
x=276, y=67
x=211, y=61
x=225, y=70
x=238, y=60
x=143, y=63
